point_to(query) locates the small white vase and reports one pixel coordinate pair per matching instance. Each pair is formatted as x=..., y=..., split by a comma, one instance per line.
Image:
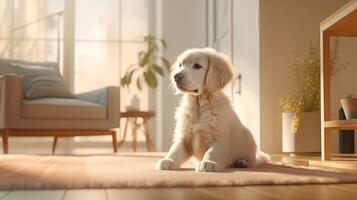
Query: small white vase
x=134, y=104
x=307, y=138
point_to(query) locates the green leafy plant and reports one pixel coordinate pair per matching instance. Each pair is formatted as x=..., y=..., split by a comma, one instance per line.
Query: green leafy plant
x=306, y=75
x=149, y=65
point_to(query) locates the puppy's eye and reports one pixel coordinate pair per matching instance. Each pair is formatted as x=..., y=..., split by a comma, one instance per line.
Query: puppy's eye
x=197, y=66
x=180, y=65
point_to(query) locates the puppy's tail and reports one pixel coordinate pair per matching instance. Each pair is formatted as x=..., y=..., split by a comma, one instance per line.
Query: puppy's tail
x=262, y=158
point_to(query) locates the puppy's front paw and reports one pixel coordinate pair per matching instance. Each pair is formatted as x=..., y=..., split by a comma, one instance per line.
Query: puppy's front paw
x=165, y=164
x=207, y=166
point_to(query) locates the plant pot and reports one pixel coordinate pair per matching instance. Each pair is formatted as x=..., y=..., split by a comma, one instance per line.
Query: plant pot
x=307, y=137
x=349, y=106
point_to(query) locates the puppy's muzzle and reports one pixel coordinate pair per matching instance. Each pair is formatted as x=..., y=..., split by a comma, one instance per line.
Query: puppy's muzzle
x=179, y=77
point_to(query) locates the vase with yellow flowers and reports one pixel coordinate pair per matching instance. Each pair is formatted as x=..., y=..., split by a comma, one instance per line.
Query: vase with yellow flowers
x=301, y=110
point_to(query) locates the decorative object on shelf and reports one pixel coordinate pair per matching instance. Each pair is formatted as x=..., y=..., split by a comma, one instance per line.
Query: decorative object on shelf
x=347, y=137
x=349, y=106
x=306, y=99
x=134, y=104
x=149, y=65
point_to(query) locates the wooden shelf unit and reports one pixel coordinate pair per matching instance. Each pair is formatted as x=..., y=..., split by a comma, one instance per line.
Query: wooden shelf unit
x=341, y=124
x=342, y=23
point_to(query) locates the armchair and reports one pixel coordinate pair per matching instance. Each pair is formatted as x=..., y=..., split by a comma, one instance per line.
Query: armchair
x=90, y=113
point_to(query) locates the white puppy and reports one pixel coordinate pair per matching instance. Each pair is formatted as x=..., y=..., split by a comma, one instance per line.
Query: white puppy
x=207, y=126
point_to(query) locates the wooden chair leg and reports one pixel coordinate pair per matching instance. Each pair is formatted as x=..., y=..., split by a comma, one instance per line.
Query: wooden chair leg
x=5, y=141
x=114, y=136
x=55, y=139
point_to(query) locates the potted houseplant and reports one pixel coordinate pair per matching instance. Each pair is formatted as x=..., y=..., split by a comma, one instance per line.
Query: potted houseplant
x=301, y=111
x=149, y=66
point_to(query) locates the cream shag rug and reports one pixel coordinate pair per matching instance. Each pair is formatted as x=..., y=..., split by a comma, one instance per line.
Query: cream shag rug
x=137, y=170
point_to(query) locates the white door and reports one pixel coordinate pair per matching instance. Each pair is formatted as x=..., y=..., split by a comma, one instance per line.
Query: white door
x=220, y=30
x=234, y=30
x=245, y=55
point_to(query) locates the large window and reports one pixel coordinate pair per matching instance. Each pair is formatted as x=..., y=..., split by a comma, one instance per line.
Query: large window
x=29, y=29
x=108, y=37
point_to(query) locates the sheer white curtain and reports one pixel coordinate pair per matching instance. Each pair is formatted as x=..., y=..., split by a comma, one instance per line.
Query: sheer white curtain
x=35, y=42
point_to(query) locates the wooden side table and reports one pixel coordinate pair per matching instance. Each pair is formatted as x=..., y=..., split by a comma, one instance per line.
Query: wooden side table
x=132, y=118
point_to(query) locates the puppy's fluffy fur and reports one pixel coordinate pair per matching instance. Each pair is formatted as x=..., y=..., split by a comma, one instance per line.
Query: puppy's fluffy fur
x=207, y=126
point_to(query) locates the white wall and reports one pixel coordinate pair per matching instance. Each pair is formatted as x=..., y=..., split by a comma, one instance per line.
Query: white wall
x=286, y=25
x=183, y=26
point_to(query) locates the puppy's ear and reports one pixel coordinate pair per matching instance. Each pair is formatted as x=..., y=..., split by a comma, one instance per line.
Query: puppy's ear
x=219, y=72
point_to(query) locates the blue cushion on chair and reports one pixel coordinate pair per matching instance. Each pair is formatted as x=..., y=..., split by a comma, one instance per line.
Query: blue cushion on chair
x=41, y=82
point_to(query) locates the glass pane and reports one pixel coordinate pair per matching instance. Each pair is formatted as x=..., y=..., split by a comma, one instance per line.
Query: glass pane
x=221, y=18
x=35, y=12
x=35, y=50
x=96, y=65
x=35, y=36
x=97, y=20
x=135, y=19
x=130, y=56
x=54, y=6
x=5, y=48
x=54, y=24
x=5, y=18
x=27, y=11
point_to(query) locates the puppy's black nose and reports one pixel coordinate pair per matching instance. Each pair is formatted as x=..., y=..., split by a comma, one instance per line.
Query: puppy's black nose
x=178, y=77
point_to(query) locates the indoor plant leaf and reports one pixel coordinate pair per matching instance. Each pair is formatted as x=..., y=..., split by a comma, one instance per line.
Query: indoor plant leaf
x=149, y=65
x=146, y=57
x=141, y=54
x=138, y=83
x=163, y=43
x=150, y=78
x=157, y=68
x=125, y=81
